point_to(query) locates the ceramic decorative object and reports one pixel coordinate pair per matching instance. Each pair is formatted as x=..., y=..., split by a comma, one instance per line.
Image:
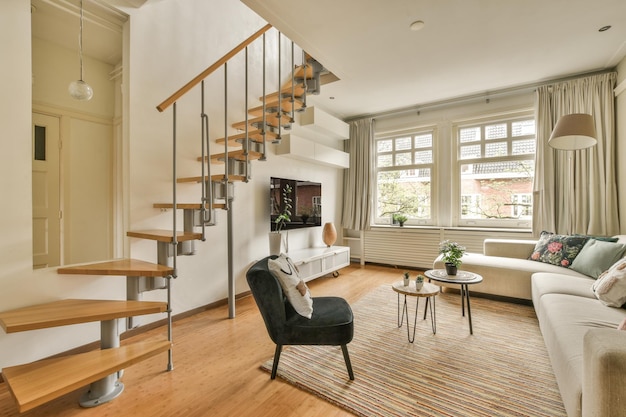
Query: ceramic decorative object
x=419, y=282
x=406, y=279
x=451, y=268
x=275, y=241
x=329, y=234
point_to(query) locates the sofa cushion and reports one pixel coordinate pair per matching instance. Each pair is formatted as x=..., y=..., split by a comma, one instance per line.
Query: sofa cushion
x=551, y=283
x=293, y=286
x=597, y=256
x=610, y=288
x=558, y=250
x=566, y=319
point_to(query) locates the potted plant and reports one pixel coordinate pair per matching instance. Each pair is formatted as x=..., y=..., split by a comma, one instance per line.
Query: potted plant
x=419, y=282
x=406, y=278
x=281, y=220
x=452, y=253
x=399, y=218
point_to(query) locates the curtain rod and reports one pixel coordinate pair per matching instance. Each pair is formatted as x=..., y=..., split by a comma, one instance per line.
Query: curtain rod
x=475, y=97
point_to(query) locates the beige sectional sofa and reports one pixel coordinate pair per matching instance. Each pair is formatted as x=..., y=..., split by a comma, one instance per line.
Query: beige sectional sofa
x=587, y=352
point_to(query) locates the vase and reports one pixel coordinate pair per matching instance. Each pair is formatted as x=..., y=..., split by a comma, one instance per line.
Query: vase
x=451, y=269
x=419, y=285
x=406, y=282
x=275, y=243
x=329, y=234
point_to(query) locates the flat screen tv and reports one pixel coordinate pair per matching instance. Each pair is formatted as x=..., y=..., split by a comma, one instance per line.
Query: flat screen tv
x=306, y=200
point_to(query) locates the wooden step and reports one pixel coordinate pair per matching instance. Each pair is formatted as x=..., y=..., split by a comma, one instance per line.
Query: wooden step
x=253, y=134
x=300, y=72
x=214, y=178
x=285, y=105
x=72, y=311
x=285, y=90
x=163, y=235
x=238, y=155
x=187, y=206
x=121, y=267
x=36, y=383
x=271, y=121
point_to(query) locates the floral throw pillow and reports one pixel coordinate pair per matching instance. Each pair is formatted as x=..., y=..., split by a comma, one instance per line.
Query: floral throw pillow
x=558, y=250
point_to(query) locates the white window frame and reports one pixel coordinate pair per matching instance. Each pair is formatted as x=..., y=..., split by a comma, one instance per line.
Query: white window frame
x=508, y=118
x=418, y=131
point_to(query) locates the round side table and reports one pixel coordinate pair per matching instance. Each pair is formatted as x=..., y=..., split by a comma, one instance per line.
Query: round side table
x=429, y=291
x=464, y=279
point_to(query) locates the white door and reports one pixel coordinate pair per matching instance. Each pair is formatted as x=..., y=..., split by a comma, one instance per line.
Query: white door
x=46, y=201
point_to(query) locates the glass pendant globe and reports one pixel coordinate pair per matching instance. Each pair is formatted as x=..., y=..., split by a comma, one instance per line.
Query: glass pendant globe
x=80, y=90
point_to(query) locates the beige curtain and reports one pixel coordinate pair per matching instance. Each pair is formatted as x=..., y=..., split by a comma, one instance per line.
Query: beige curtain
x=575, y=191
x=358, y=179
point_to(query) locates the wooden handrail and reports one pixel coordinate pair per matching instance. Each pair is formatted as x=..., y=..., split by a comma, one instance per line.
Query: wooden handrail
x=191, y=84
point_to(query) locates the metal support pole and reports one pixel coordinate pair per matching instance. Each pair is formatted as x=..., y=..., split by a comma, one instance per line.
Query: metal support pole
x=207, y=191
x=174, y=202
x=264, y=156
x=304, y=65
x=109, y=387
x=246, y=146
x=231, y=279
x=226, y=162
x=293, y=85
x=280, y=94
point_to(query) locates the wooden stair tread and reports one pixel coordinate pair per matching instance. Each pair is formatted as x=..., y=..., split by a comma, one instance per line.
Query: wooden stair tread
x=215, y=177
x=36, y=383
x=285, y=105
x=231, y=178
x=253, y=134
x=119, y=267
x=187, y=206
x=239, y=155
x=163, y=235
x=271, y=120
x=285, y=90
x=74, y=311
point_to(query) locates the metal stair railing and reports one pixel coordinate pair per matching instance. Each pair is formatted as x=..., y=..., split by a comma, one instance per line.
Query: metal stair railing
x=221, y=189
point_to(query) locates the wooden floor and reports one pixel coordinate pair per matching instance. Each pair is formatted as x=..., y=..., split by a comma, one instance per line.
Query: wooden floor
x=216, y=366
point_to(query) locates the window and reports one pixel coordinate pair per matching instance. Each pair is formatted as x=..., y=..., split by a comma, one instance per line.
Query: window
x=404, y=167
x=522, y=205
x=496, y=163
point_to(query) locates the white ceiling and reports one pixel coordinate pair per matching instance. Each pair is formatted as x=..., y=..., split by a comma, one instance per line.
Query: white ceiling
x=466, y=46
x=58, y=21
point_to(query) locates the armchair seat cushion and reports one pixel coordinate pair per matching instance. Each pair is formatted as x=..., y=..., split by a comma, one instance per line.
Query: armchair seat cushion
x=330, y=324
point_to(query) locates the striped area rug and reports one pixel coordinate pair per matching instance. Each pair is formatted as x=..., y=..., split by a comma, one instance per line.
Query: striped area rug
x=501, y=370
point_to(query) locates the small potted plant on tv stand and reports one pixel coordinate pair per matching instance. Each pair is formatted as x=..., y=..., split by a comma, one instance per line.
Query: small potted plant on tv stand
x=283, y=218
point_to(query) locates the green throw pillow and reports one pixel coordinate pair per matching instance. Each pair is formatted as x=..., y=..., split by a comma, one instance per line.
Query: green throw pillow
x=597, y=256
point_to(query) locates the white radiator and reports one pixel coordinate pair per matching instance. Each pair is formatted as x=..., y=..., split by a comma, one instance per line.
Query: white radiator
x=418, y=248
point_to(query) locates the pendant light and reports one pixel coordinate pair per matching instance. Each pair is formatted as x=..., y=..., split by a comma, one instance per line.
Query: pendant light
x=79, y=89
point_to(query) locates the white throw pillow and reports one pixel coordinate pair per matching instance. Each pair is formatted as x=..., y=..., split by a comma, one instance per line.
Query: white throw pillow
x=610, y=287
x=293, y=286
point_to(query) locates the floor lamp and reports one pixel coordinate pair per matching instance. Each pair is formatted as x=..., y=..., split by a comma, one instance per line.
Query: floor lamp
x=571, y=133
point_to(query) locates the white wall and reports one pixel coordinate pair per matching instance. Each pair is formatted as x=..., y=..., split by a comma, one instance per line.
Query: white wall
x=169, y=42
x=164, y=58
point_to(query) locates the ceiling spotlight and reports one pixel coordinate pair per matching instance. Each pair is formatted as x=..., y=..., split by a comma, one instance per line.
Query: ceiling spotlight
x=604, y=28
x=417, y=25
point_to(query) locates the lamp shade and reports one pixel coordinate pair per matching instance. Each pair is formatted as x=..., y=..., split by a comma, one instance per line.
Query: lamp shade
x=573, y=131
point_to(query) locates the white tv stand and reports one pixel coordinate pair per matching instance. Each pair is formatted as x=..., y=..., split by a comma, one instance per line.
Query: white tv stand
x=316, y=262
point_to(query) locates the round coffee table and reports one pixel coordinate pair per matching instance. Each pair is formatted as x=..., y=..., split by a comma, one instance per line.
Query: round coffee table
x=429, y=291
x=464, y=279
